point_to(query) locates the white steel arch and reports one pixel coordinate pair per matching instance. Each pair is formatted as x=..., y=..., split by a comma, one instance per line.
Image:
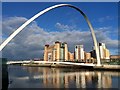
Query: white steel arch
x=46, y=10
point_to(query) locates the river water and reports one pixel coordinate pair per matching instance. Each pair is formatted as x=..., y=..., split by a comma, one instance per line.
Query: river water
x=44, y=77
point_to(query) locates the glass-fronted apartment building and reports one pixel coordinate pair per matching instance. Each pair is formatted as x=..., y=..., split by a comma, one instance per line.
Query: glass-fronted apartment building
x=56, y=52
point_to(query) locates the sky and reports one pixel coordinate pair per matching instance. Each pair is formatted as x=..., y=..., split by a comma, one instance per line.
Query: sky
x=64, y=24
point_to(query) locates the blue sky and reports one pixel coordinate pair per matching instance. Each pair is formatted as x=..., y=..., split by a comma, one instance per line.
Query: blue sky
x=93, y=10
x=103, y=16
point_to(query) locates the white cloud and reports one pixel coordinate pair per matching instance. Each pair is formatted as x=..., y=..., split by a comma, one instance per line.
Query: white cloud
x=64, y=27
x=102, y=19
x=30, y=42
x=11, y=23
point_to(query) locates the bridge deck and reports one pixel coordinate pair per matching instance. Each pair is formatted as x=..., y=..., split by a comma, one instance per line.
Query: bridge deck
x=45, y=62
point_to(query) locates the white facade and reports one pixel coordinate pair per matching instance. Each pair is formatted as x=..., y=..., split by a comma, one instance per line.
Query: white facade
x=101, y=52
x=104, y=52
x=79, y=52
x=76, y=53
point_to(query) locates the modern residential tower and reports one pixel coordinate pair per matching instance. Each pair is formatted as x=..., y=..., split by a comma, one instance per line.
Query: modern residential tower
x=79, y=52
x=104, y=52
x=57, y=52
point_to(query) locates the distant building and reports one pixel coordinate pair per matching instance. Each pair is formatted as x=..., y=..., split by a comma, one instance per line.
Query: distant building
x=115, y=57
x=70, y=56
x=107, y=54
x=56, y=52
x=104, y=52
x=79, y=52
x=87, y=56
x=93, y=54
x=59, y=52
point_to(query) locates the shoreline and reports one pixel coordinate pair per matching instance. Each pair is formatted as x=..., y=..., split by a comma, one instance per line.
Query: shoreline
x=100, y=68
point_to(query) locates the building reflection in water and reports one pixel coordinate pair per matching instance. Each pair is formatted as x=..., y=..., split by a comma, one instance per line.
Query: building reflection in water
x=59, y=78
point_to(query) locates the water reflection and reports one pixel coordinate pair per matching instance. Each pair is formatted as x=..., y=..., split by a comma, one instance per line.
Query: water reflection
x=40, y=77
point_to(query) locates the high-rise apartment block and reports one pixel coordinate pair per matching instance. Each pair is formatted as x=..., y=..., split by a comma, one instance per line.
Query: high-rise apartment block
x=57, y=52
x=79, y=52
x=104, y=52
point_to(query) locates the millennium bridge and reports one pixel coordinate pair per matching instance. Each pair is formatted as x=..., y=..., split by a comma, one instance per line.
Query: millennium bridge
x=50, y=62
